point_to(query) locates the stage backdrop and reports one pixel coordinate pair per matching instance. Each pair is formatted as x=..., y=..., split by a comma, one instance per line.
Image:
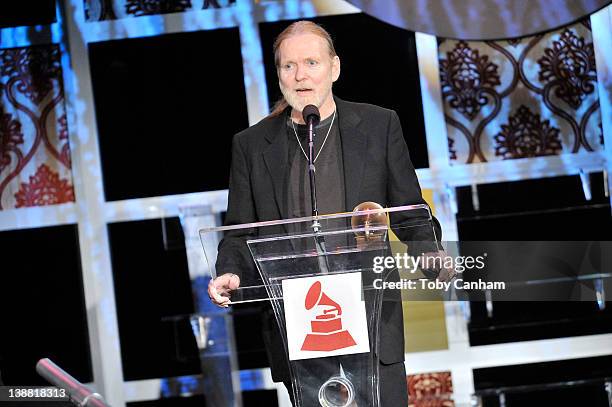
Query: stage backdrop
x=464, y=18
x=35, y=166
x=529, y=97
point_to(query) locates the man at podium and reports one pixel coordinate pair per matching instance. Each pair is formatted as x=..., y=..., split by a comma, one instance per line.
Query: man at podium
x=360, y=155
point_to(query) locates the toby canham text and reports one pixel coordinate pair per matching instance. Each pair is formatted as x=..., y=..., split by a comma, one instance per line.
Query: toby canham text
x=459, y=284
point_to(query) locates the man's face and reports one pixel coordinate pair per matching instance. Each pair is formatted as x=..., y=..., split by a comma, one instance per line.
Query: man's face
x=306, y=71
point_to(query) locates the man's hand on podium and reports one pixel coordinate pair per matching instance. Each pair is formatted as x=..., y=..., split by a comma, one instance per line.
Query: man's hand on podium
x=443, y=274
x=219, y=288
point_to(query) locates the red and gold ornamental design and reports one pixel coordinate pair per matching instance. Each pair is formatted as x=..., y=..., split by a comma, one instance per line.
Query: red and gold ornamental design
x=35, y=163
x=430, y=390
x=44, y=188
x=522, y=98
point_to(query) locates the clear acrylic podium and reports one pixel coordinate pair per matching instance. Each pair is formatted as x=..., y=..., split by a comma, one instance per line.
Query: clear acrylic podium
x=330, y=272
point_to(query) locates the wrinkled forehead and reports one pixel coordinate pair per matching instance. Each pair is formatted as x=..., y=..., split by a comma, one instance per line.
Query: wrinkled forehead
x=302, y=46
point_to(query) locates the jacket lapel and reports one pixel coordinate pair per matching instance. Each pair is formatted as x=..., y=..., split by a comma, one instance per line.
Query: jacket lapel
x=275, y=157
x=354, y=152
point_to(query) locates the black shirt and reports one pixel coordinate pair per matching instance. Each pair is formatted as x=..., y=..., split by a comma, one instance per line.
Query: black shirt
x=328, y=164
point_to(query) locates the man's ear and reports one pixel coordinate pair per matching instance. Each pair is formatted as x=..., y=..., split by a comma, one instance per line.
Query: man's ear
x=335, y=68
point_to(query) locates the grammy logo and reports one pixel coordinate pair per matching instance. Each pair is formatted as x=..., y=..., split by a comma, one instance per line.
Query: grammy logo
x=327, y=333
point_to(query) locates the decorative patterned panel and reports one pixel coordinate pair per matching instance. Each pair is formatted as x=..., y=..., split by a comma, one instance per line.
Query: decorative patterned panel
x=35, y=165
x=430, y=390
x=528, y=97
x=99, y=10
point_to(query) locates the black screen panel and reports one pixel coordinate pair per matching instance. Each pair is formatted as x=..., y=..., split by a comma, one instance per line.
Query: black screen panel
x=152, y=284
x=166, y=109
x=552, y=208
x=42, y=304
x=17, y=13
x=591, y=393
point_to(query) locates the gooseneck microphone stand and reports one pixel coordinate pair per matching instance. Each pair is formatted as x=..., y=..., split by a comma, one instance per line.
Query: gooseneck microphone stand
x=312, y=117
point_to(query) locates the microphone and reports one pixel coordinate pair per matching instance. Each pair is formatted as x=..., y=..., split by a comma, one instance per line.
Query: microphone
x=79, y=394
x=311, y=116
x=311, y=113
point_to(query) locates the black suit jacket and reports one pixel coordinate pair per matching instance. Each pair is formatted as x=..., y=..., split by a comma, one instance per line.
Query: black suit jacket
x=377, y=167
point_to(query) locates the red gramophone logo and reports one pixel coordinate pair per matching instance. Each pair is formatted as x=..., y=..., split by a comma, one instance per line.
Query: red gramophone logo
x=327, y=333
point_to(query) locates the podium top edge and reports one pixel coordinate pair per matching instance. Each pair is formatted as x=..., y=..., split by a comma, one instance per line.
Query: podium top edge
x=405, y=208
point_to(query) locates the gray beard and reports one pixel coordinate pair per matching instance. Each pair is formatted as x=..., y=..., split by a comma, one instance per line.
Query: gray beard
x=298, y=106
